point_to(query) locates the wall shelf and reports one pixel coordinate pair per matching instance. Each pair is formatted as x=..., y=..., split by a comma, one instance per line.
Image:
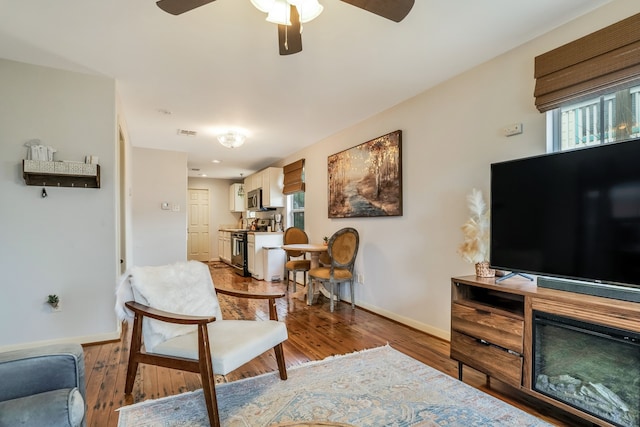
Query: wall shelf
x=60, y=174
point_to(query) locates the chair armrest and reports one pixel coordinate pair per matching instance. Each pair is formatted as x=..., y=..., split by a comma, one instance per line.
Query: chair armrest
x=271, y=296
x=253, y=295
x=165, y=316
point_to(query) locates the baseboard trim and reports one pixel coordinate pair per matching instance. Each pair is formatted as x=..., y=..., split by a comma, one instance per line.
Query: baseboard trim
x=423, y=327
x=87, y=339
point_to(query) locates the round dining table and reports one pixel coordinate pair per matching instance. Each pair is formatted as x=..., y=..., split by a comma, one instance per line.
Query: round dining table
x=314, y=249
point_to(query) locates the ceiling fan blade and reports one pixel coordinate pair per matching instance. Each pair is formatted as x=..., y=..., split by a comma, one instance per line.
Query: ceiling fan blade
x=395, y=10
x=289, y=36
x=176, y=7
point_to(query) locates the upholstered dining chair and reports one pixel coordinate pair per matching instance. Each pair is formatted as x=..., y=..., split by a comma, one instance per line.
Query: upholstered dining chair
x=293, y=263
x=177, y=315
x=342, y=250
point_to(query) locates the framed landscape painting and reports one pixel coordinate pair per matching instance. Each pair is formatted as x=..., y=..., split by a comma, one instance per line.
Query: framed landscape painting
x=366, y=180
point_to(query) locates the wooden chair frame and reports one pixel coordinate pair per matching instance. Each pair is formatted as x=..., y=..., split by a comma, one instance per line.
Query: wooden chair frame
x=203, y=365
x=349, y=265
x=294, y=254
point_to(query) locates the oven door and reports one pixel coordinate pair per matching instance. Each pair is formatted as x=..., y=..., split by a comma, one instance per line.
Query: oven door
x=237, y=249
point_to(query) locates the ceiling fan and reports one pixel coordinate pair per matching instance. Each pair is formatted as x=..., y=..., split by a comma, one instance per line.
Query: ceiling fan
x=289, y=35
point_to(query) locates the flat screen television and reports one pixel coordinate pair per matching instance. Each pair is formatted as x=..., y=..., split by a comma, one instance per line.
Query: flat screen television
x=572, y=214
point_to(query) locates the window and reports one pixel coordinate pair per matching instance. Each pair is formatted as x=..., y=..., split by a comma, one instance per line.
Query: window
x=589, y=87
x=600, y=120
x=294, y=189
x=296, y=209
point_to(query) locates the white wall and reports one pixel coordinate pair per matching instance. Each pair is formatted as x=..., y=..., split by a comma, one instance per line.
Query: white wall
x=220, y=214
x=451, y=134
x=64, y=244
x=159, y=236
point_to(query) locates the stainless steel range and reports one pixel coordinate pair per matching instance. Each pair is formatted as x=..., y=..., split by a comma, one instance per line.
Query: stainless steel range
x=239, y=252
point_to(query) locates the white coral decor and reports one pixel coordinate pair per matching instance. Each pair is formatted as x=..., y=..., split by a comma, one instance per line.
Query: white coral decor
x=475, y=247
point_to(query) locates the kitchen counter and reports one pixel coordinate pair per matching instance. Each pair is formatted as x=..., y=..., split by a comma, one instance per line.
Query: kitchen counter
x=249, y=231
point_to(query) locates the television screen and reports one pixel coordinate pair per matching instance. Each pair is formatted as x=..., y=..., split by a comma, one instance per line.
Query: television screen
x=573, y=214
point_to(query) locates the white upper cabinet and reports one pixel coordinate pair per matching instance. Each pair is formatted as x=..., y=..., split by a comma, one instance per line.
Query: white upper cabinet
x=236, y=202
x=272, y=184
x=271, y=180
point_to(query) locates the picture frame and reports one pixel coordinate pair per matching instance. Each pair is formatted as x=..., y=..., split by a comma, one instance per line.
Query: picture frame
x=366, y=180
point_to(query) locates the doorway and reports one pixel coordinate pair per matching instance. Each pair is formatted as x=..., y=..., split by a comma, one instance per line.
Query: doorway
x=198, y=235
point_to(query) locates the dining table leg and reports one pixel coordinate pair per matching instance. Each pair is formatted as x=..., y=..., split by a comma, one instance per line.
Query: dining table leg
x=311, y=292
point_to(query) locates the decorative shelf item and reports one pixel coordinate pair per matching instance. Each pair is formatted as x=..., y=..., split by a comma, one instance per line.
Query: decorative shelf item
x=61, y=174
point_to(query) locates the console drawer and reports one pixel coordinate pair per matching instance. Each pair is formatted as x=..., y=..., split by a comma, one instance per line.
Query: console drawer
x=495, y=328
x=489, y=359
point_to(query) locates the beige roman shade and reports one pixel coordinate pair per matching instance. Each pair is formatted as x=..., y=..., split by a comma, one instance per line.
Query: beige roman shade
x=293, y=177
x=604, y=61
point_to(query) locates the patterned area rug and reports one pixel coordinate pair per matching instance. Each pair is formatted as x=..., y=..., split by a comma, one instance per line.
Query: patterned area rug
x=378, y=387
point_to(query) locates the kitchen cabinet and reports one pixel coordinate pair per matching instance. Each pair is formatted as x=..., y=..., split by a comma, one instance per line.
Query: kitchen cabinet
x=220, y=244
x=224, y=246
x=271, y=181
x=253, y=181
x=251, y=253
x=255, y=251
x=236, y=202
x=272, y=184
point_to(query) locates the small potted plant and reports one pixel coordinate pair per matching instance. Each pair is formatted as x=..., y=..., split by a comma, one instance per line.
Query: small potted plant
x=325, y=241
x=53, y=300
x=475, y=247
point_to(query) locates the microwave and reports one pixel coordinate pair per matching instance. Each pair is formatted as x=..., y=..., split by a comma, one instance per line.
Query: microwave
x=254, y=201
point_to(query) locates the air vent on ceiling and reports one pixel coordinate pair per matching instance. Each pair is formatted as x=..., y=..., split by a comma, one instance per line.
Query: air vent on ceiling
x=185, y=132
x=195, y=169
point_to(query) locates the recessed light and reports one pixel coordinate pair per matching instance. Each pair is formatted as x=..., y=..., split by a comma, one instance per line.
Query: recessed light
x=216, y=161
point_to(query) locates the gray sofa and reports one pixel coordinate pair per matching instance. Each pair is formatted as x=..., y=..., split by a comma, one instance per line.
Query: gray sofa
x=43, y=386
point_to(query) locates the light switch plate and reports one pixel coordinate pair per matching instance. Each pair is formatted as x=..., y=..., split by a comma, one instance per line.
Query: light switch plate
x=514, y=129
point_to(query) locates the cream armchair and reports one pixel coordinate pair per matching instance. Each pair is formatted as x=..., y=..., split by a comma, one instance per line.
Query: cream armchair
x=183, y=326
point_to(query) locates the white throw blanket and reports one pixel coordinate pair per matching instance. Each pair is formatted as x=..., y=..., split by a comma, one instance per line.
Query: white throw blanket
x=182, y=288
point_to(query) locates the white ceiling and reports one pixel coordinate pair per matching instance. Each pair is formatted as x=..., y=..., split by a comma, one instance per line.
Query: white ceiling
x=218, y=66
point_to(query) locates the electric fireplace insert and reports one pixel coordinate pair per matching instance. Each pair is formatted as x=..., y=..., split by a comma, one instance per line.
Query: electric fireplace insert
x=588, y=366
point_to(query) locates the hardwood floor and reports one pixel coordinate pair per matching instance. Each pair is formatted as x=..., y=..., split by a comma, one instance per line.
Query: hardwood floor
x=314, y=333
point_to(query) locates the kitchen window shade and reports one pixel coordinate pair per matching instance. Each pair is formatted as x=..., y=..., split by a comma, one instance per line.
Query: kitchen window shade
x=293, y=177
x=604, y=61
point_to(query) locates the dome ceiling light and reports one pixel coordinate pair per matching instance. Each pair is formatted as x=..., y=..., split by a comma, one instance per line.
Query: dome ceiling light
x=231, y=139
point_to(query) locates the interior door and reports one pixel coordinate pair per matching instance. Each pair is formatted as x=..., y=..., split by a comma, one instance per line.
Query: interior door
x=198, y=240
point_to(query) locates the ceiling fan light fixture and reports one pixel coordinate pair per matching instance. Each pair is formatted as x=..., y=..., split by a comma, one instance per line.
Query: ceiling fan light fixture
x=308, y=9
x=263, y=5
x=231, y=139
x=279, y=13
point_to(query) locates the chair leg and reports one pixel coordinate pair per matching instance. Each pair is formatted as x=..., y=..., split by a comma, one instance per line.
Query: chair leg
x=353, y=296
x=331, y=293
x=134, y=351
x=282, y=367
x=310, y=291
x=304, y=277
x=295, y=281
x=206, y=374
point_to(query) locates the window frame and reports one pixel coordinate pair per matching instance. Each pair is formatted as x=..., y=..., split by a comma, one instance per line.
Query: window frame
x=291, y=211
